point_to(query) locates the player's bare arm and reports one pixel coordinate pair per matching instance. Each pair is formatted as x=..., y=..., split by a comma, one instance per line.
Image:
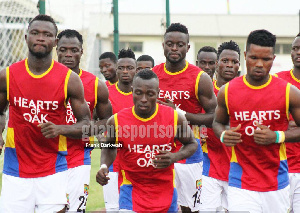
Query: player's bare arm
x=2, y=127
x=207, y=100
x=230, y=137
x=292, y=124
x=185, y=135
x=103, y=108
x=266, y=136
x=80, y=109
x=3, y=92
x=3, y=105
x=108, y=155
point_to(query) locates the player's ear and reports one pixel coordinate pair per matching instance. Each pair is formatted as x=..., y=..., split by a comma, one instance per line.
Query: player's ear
x=217, y=67
x=245, y=53
x=131, y=88
x=56, y=41
x=188, y=47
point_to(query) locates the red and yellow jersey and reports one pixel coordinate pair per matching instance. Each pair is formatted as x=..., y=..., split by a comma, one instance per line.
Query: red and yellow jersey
x=35, y=99
x=182, y=89
x=108, y=83
x=292, y=149
x=216, y=163
x=256, y=167
x=145, y=188
x=78, y=153
x=119, y=100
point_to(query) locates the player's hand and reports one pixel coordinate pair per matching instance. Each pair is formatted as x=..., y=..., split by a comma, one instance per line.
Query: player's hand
x=102, y=176
x=49, y=129
x=163, y=159
x=1, y=143
x=264, y=135
x=167, y=102
x=232, y=137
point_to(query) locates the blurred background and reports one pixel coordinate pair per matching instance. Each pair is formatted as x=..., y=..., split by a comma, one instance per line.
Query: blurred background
x=109, y=25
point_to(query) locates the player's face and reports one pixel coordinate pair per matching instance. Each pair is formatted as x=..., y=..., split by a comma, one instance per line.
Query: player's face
x=40, y=38
x=108, y=68
x=175, y=46
x=259, y=61
x=144, y=65
x=207, y=62
x=228, y=64
x=126, y=69
x=69, y=52
x=145, y=93
x=295, y=53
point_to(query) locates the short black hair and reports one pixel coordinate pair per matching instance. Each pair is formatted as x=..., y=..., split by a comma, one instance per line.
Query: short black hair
x=207, y=49
x=177, y=27
x=42, y=17
x=145, y=74
x=261, y=38
x=109, y=55
x=68, y=33
x=231, y=45
x=146, y=58
x=123, y=53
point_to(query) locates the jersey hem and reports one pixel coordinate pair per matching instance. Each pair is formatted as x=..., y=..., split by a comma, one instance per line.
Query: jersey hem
x=281, y=186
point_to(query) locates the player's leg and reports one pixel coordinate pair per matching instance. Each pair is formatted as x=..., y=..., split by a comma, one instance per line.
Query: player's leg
x=210, y=194
x=50, y=193
x=188, y=179
x=17, y=195
x=78, y=187
x=276, y=201
x=111, y=193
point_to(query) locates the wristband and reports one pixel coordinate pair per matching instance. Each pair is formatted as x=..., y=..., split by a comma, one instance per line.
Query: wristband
x=280, y=136
x=277, y=136
x=222, y=136
x=103, y=166
x=180, y=111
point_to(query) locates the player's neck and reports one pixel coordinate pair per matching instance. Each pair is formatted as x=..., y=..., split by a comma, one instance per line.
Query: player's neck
x=221, y=82
x=175, y=67
x=113, y=80
x=126, y=88
x=145, y=116
x=39, y=65
x=255, y=83
x=296, y=72
x=76, y=69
